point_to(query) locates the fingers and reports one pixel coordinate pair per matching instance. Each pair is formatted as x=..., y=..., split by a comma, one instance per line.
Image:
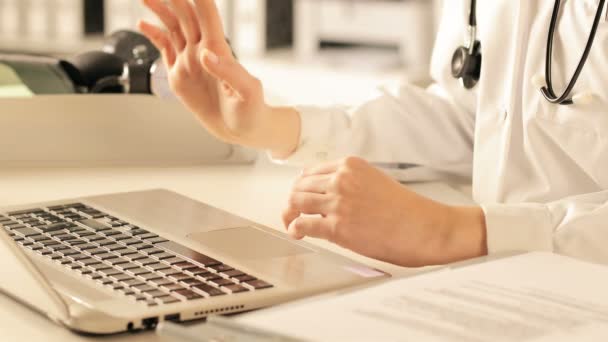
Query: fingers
x=228, y=70
x=160, y=39
x=309, y=203
x=305, y=203
x=168, y=18
x=323, y=169
x=187, y=20
x=210, y=22
x=312, y=226
x=319, y=184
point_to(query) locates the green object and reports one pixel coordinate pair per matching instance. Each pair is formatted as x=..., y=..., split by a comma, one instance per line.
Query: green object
x=11, y=85
x=41, y=75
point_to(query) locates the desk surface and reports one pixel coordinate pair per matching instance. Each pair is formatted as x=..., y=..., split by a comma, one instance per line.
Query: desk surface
x=238, y=189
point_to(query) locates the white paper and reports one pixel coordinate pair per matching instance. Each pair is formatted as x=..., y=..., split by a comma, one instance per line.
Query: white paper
x=532, y=297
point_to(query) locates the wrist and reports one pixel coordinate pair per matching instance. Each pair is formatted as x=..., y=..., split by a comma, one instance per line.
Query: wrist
x=285, y=129
x=464, y=233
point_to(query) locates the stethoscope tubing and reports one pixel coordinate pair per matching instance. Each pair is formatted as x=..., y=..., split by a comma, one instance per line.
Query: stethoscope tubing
x=548, y=90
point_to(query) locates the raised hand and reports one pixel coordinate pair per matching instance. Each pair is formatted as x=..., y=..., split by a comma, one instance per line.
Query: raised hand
x=211, y=83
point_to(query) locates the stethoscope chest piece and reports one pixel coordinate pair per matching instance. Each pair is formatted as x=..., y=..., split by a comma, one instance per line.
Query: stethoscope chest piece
x=466, y=65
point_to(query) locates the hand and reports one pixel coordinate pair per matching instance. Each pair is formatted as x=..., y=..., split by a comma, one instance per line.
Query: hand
x=210, y=82
x=361, y=208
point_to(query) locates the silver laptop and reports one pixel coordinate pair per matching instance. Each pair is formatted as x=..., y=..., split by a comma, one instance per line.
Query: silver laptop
x=128, y=261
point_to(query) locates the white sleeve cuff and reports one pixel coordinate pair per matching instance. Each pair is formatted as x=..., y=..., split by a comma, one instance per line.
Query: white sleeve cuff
x=316, y=138
x=521, y=227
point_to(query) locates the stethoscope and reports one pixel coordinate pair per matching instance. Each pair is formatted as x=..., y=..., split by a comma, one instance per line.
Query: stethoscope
x=466, y=62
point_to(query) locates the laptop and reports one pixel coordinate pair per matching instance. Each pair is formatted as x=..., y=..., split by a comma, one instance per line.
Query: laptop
x=128, y=261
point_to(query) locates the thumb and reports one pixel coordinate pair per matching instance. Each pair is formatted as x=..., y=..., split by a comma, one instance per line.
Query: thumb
x=230, y=71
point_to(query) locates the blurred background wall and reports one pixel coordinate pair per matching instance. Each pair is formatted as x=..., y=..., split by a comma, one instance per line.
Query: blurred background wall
x=368, y=38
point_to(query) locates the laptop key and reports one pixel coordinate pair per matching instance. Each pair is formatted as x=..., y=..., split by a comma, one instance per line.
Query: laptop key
x=161, y=281
x=106, y=256
x=132, y=282
x=117, y=261
x=244, y=277
x=160, y=256
x=187, y=294
x=74, y=265
x=69, y=252
x=119, y=237
x=25, y=232
x=38, y=238
x=138, y=271
x=146, y=261
x=94, y=238
x=99, y=267
x=157, y=240
x=104, y=242
x=234, y=288
x=169, y=300
x=95, y=225
x=120, y=277
x=110, y=272
x=87, y=246
x=157, y=266
x=126, y=252
x=136, y=256
x=117, y=286
x=184, y=266
x=232, y=273
x=209, y=290
x=96, y=251
x=149, y=276
x=130, y=241
x=148, y=236
x=173, y=260
x=138, y=231
x=168, y=272
x=152, y=250
x=105, y=281
x=257, y=284
x=221, y=268
x=173, y=287
x=114, y=248
x=88, y=261
x=191, y=282
x=64, y=261
x=156, y=293
x=54, y=227
x=221, y=282
x=144, y=287
x=180, y=277
x=127, y=266
x=23, y=212
x=197, y=271
x=188, y=253
x=141, y=245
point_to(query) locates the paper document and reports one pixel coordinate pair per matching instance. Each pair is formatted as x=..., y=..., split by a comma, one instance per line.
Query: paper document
x=531, y=297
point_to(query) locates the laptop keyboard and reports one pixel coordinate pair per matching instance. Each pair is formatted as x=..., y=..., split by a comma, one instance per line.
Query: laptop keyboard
x=123, y=257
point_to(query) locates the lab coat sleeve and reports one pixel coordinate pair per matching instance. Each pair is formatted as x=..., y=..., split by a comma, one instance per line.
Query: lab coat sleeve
x=408, y=126
x=575, y=226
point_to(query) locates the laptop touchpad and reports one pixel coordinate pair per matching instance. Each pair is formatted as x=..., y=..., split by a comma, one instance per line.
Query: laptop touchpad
x=247, y=243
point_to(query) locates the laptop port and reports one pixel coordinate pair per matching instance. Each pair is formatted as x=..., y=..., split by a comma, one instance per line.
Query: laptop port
x=172, y=318
x=150, y=322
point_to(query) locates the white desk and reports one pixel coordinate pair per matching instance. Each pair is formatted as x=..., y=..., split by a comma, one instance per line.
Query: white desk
x=239, y=189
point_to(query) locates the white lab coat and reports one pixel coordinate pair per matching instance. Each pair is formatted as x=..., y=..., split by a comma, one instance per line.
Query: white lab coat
x=540, y=171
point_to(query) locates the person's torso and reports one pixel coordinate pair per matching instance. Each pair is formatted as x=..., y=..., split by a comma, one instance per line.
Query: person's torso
x=526, y=149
